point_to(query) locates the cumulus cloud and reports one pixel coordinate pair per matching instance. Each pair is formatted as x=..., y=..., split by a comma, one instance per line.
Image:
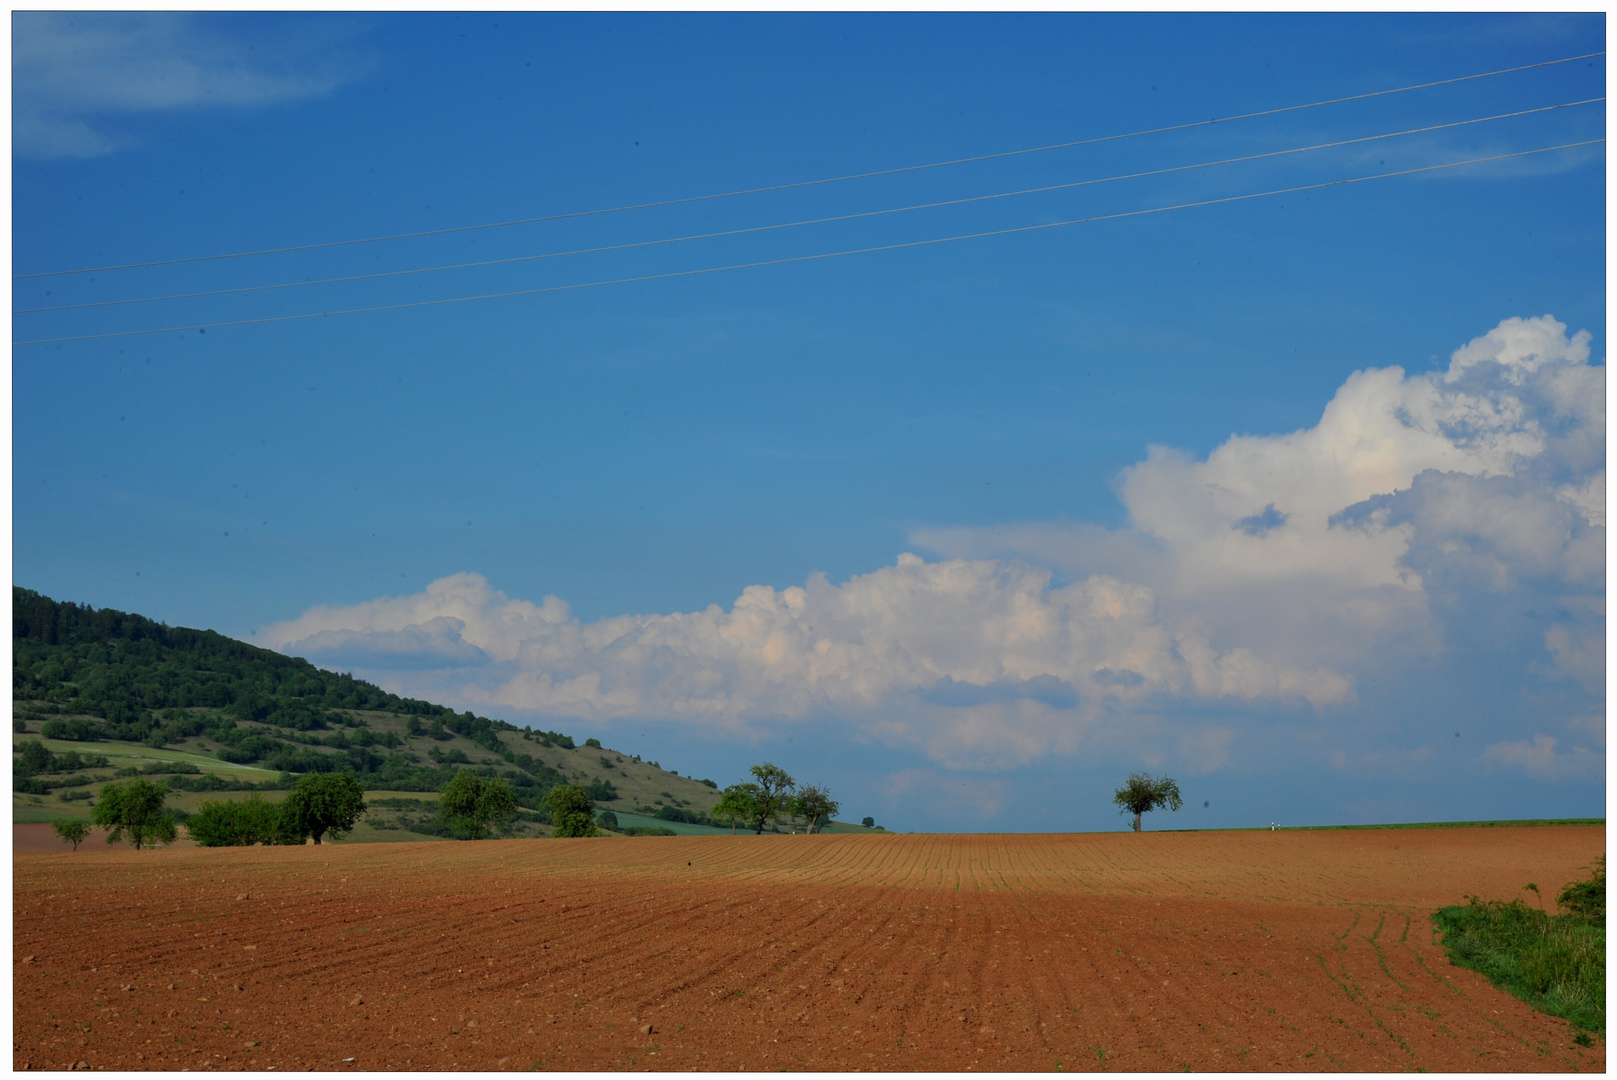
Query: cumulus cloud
x=1412, y=495
x=1542, y=761
x=1276, y=574
x=71, y=71
x=976, y=660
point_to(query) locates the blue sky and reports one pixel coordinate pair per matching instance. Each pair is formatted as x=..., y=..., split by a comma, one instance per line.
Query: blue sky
x=1298, y=498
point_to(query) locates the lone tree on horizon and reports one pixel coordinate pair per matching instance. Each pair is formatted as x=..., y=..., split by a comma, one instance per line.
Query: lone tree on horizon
x=1142, y=794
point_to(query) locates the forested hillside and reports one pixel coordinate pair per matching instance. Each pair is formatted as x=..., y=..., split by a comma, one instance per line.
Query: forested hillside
x=87, y=675
x=104, y=695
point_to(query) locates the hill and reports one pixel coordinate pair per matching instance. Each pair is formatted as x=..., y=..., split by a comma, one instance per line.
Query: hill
x=107, y=694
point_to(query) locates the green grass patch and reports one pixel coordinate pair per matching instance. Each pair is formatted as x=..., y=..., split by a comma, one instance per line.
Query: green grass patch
x=1456, y=824
x=679, y=828
x=1555, y=963
x=122, y=755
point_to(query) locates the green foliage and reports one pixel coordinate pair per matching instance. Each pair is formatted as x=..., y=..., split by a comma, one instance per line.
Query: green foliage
x=323, y=803
x=32, y=759
x=1142, y=794
x=689, y=817
x=593, y=742
x=143, y=678
x=607, y=820
x=215, y=782
x=71, y=830
x=1555, y=963
x=648, y=830
x=601, y=790
x=709, y=783
x=241, y=824
x=76, y=730
x=771, y=789
x=1587, y=899
x=571, y=811
x=136, y=809
x=738, y=803
x=869, y=823
x=814, y=805
x=471, y=805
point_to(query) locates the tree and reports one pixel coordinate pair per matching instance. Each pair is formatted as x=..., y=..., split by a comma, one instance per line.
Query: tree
x=32, y=758
x=774, y=787
x=1142, y=794
x=813, y=803
x=737, y=803
x=228, y=823
x=71, y=830
x=571, y=811
x=322, y=803
x=869, y=823
x=473, y=805
x=135, y=808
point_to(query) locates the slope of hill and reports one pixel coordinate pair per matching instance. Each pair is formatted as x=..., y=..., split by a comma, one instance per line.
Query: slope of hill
x=111, y=694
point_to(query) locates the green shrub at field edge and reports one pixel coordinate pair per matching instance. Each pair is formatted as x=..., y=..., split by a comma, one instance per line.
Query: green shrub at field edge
x=1555, y=963
x=240, y=824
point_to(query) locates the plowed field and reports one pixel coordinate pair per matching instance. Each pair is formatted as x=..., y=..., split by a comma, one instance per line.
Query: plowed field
x=1237, y=951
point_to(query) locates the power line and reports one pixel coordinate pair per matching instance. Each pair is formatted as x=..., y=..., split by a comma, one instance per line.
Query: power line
x=813, y=183
x=815, y=257
x=796, y=224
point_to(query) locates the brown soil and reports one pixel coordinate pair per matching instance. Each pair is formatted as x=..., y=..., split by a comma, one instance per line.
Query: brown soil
x=1233, y=951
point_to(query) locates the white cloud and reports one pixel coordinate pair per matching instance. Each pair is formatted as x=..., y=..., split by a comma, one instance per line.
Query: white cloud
x=71, y=70
x=1314, y=547
x=978, y=661
x=1272, y=575
x=1540, y=759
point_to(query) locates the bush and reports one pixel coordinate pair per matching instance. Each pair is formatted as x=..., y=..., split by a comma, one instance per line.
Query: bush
x=596, y=743
x=606, y=819
x=73, y=796
x=1555, y=963
x=238, y=824
x=73, y=730
x=689, y=817
x=305, y=761
x=572, y=811
x=207, y=782
x=1587, y=899
x=32, y=758
x=600, y=790
x=170, y=768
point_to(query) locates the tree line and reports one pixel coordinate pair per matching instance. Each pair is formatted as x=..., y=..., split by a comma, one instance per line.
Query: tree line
x=772, y=795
